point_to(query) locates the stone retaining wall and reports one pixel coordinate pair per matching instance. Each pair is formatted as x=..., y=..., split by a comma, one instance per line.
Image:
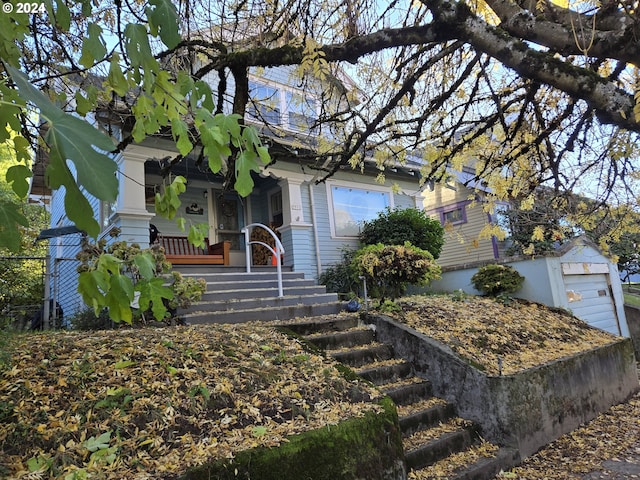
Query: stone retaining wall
x=526, y=410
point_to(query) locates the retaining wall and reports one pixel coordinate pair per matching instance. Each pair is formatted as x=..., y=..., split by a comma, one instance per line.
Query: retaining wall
x=526, y=410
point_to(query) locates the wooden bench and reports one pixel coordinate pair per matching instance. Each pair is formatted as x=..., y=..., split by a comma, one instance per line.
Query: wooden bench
x=179, y=251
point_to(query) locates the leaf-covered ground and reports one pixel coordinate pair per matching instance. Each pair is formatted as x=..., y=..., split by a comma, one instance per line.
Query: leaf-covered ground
x=149, y=403
x=499, y=338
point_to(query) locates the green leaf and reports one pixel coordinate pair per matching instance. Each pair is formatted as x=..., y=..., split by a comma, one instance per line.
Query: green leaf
x=116, y=79
x=138, y=49
x=197, y=234
x=71, y=138
x=10, y=218
x=123, y=364
x=119, y=297
x=163, y=20
x=146, y=265
x=245, y=164
x=93, y=47
x=83, y=105
x=10, y=111
x=62, y=15
x=98, y=443
x=22, y=148
x=92, y=285
x=180, y=131
x=152, y=292
x=17, y=176
x=258, y=431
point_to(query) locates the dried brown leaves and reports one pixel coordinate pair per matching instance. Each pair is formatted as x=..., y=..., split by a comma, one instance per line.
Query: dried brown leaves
x=500, y=338
x=149, y=403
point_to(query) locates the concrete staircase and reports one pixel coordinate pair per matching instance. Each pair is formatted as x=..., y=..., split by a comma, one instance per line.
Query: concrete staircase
x=234, y=296
x=432, y=434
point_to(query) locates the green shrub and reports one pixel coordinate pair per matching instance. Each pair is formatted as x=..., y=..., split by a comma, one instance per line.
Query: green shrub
x=131, y=283
x=86, y=319
x=389, y=269
x=397, y=226
x=497, y=279
x=341, y=277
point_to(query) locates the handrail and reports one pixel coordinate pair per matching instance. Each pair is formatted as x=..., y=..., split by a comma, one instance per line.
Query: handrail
x=277, y=251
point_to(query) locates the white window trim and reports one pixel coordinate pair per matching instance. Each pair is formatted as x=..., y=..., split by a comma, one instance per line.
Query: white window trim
x=360, y=186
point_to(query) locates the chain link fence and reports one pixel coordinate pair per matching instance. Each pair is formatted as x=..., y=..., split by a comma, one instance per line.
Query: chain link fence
x=38, y=292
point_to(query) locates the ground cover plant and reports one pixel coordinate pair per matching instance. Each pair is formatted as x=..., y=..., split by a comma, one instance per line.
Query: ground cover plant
x=148, y=403
x=498, y=337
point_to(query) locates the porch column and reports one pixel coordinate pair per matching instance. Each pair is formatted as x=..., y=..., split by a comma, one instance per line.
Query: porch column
x=131, y=214
x=296, y=229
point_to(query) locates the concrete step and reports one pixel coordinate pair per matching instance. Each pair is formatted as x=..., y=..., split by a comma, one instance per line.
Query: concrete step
x=223, y=277
x=231, y=304
x=345, y=339
x=407, y=392
x=243, y=292
x=426, y=418
x=252, y=284
x=357, y=357
x=327, y=324
x=262, y=314
x=441, y=447
x=199, y=269
x=486, y=468
x=381, y=374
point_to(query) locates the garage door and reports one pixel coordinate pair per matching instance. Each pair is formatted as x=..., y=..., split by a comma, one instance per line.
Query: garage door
x=590, y=300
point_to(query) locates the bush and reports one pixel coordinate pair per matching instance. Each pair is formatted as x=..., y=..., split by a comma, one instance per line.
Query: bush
x=131, y=283
x=86, y=319
x=397, y=226
x=389, y=269
x=341, y=277
x=497, y=279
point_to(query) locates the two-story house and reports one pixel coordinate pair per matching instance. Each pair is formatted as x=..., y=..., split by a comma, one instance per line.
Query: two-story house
x=314, y=220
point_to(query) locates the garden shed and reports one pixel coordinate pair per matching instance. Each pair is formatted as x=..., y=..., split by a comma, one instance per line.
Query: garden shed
x=577, y=277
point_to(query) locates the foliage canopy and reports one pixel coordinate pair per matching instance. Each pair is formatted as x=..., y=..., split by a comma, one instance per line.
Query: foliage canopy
x=522, y=93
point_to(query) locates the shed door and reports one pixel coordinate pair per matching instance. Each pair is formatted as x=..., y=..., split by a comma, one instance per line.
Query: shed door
x=590, y=300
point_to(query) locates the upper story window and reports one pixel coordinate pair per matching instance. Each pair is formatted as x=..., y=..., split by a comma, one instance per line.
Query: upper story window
x=301, y=112
x=265, y=104
x=279, y=106
x=453, y=214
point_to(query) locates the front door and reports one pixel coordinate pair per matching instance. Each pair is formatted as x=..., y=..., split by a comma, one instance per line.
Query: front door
x=226, y=220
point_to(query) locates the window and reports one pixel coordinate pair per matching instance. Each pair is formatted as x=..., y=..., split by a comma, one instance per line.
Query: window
x=353, y=206
x=265, y=103
x=275, y=204
x=107, y=209
x=453, y=214
x=281, y=107
x=301, y=111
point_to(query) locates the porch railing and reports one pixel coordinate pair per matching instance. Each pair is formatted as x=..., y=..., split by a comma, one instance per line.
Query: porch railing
x=277, y=251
